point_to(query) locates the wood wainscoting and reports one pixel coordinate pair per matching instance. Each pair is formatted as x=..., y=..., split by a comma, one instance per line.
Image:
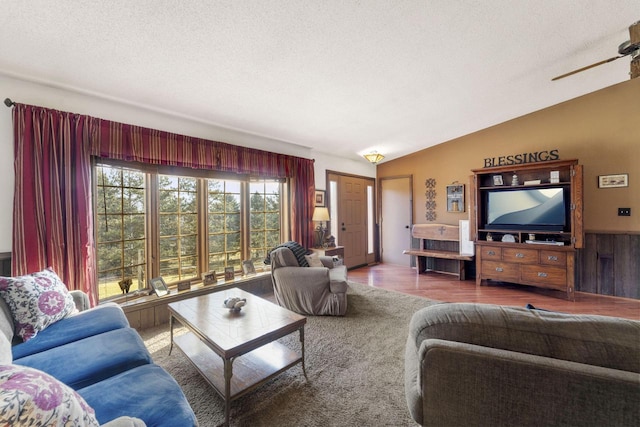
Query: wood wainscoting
x=5, y=264
x=609, y=264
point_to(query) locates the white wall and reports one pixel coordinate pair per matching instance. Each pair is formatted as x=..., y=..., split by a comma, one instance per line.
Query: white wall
x=67, y=99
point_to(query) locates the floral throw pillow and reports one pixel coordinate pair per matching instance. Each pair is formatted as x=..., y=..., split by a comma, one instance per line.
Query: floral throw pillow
x=36, y=301
x=29, y=397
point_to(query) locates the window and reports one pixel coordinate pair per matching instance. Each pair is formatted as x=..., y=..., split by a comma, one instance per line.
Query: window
x=120, y=228
x=224, y=219
x=195, y=224
x=265, y=218
x=178, y=227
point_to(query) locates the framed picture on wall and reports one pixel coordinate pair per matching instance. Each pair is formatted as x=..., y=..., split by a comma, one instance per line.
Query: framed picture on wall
x=320, y=198
x=455, y=198
x=613, y=181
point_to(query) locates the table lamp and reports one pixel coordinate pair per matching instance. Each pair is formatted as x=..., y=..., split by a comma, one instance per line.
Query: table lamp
x=321, y=215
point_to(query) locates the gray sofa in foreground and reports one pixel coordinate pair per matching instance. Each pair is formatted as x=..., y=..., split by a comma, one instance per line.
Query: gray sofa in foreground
x=489, y=365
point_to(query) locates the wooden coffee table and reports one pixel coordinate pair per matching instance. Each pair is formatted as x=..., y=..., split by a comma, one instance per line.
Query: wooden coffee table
x=217, y=338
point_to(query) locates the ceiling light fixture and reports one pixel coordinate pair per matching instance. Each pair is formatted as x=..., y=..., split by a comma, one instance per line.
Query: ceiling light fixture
x=374, y=157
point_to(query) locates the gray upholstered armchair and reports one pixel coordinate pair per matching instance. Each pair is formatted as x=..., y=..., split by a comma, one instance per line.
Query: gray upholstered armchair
x=308, y=290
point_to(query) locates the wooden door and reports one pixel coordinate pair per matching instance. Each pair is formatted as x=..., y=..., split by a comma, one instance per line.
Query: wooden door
x=352, y=219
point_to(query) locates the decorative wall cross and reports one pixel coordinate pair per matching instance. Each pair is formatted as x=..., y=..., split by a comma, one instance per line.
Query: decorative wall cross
x=430, y=205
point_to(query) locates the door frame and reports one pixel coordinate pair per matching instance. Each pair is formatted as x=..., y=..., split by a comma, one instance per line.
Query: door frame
x=371, y=259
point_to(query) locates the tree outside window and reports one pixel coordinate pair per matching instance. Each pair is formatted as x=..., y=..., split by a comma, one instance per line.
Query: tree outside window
x=265, y=218
x=127, y=232
x=120, y=229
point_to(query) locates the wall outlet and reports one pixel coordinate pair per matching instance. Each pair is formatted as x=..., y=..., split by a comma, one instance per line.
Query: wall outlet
x=624, y=211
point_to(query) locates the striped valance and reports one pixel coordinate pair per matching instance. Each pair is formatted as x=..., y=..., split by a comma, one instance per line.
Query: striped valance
x=135, y=143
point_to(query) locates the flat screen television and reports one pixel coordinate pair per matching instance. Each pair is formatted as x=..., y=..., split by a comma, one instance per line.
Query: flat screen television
x=536, y=209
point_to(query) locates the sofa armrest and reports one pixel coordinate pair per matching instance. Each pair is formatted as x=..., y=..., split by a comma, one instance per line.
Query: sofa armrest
x=466, y=384
x=81, y=300
x=338, y=276
x=327, y=261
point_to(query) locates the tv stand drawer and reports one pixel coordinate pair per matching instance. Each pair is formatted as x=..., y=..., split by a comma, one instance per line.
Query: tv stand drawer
x=520, y=256
x=500, y=271
x=553, y=258
x=548, y=277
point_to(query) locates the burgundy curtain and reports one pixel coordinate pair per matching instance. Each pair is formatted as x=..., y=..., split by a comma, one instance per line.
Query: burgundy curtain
x=52, y=216
x=134, y=143
x=53, y=220
x=303, y=188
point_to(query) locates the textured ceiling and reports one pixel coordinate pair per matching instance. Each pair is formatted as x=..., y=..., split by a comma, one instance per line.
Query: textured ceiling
x=339, y=76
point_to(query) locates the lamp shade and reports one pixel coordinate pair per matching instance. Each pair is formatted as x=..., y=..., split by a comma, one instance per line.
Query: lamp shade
x=374, y=157
x=321, y=214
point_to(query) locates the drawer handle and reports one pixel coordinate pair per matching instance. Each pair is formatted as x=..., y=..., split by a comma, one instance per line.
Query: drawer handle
x=499, y=269
x=541, y=274
x=519, y=255
x=491, y=253
x=552, y=258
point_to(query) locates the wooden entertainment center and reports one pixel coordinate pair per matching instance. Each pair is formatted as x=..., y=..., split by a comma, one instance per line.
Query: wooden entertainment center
x=534, y=254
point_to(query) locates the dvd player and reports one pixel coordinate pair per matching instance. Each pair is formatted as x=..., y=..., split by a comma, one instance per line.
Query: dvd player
x=544, y=242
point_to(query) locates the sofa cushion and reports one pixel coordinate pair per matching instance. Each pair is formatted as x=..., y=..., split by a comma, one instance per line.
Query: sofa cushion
x=6, y=333
x=5, y=351
x=147, y=392
x=298, y=251
x=36, y=301
x=93, y=359
x=31, y=397
x=314, y=260
x=6, y=321
x=95, y=321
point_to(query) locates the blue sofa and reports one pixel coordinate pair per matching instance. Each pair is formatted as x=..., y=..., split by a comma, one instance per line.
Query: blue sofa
x=97, y=354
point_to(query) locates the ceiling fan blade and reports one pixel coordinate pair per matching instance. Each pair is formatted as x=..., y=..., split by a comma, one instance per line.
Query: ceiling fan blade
x=587, y=67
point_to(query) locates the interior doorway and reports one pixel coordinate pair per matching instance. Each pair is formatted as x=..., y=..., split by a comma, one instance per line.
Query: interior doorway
x=352, y=212
x=396, y=214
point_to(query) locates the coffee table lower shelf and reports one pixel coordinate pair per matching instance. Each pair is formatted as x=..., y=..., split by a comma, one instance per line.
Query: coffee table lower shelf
x=250, y=370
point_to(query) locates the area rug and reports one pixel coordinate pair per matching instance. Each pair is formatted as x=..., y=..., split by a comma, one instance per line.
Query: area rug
x=355, y=367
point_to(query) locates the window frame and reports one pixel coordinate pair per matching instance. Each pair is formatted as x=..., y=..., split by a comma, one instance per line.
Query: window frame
x=152, y=221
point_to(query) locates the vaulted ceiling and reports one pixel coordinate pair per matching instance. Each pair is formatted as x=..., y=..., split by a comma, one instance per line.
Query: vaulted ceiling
x=340, y=76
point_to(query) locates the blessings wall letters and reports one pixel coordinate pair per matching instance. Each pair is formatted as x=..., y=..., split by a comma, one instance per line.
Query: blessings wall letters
x=522, y=158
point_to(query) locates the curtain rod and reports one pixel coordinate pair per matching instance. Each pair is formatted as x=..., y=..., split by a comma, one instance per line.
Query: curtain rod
x=9, y=103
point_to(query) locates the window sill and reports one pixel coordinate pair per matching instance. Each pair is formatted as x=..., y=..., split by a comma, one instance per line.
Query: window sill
x=259, y=283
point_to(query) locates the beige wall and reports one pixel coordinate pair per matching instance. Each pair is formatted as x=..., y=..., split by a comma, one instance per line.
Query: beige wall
x=600, y=129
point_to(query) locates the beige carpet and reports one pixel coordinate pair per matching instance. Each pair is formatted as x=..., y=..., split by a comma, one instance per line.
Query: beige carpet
x=355, y=366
